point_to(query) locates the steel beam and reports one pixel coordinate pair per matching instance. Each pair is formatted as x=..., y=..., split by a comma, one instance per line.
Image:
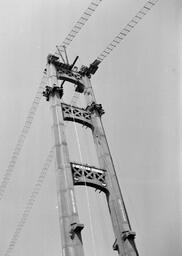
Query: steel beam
x=90, y=176
x=75, y=114
x=124, y=236
x=70, y=227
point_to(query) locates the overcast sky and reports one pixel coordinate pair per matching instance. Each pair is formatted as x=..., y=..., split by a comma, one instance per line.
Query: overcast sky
x=139, y=86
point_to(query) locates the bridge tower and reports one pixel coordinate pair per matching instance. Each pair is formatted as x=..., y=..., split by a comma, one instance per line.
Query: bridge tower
x=69, y=174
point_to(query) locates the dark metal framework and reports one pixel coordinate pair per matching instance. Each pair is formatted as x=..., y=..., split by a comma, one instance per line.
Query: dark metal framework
x=70, y=174
x=90, y=176
x=75, y=114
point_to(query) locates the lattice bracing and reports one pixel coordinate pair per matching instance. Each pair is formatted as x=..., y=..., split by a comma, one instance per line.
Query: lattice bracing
x=89, y=175
x=75, y=114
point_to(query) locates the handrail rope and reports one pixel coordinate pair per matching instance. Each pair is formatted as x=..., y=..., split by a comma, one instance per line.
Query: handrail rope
x=86, y=189
x=79, y=24
x=28, y=122
x=75, y=99
x=30, y=203
x=127, y=29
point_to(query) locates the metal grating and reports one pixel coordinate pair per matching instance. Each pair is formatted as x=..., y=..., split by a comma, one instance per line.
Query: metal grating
x=75, y=114
x=89, y=175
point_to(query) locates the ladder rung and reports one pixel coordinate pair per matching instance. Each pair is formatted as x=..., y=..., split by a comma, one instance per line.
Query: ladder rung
x=126, y=30
x=150, y=3
x=134, y=21
x=142, y=12
x=86, y=13
x=80, y=22
x=112, y=45
x=122, y=33
x=77, y=27
x=83, y=18
x=130, y=26
x=71, y=35
x=115, y=41
x=91, y=9
x=74, y=31
x=138, y=17
x=94, y=4
x=146, y=8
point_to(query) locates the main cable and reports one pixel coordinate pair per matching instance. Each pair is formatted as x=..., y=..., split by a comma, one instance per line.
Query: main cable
x=18, y=147
x=30, y=203
x=126, y=30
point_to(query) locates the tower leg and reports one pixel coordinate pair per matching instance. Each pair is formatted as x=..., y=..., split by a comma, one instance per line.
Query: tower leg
x=124, y=236
x=68, y=215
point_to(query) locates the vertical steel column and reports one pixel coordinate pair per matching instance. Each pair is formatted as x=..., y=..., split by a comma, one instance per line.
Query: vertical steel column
x=124, y=236
x=67, y=209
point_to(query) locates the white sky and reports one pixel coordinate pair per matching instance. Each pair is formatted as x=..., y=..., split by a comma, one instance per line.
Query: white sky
x=139, y=87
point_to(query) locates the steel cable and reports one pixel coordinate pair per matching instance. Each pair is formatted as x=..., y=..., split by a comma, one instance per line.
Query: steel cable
x=30, y=203
x=75, y=99
x=86, y=189
x=29, y=119
x=127, y=29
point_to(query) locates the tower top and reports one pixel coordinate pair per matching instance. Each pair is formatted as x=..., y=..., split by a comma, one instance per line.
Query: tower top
x=84, y=70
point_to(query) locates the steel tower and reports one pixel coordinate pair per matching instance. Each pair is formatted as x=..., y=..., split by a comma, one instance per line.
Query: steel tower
x=70, y=174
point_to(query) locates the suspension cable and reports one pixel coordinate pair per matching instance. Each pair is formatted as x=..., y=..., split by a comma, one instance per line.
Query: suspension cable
x=127, y=29
x=28, y=122
x=86, y=189
x=79, y=25
x=30, y=203
x=75, y=99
